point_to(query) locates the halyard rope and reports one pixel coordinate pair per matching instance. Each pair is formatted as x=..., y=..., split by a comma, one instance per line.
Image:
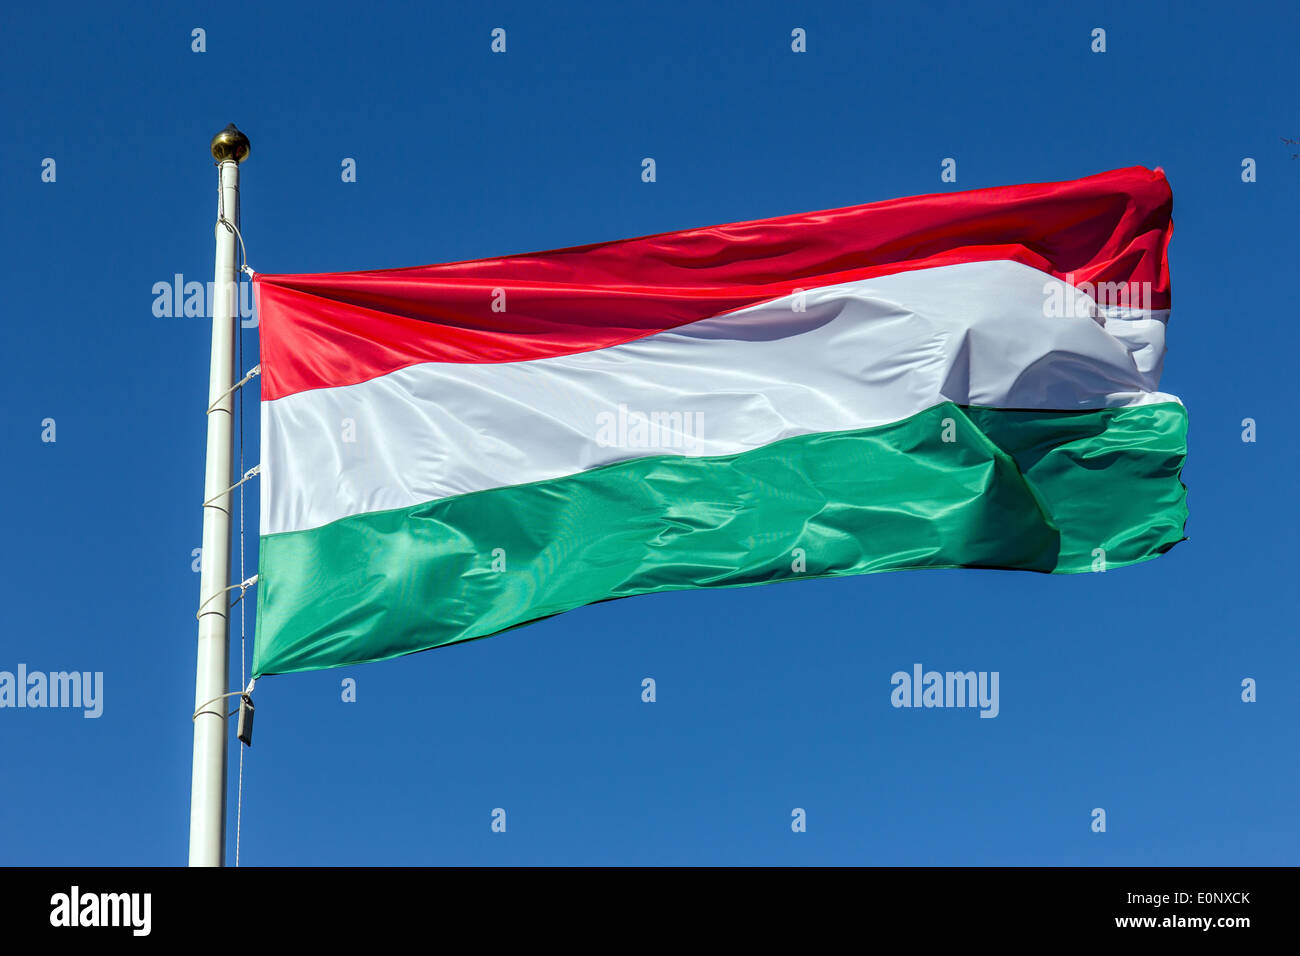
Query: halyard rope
x=239, y=348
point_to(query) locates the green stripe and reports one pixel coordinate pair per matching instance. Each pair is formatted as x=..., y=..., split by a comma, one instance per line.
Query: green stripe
x=1028, y=490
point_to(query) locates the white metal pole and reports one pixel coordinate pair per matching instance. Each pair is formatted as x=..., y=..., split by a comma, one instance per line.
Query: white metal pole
x=208, y=784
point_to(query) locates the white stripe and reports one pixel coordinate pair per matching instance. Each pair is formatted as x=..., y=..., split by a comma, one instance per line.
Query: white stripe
x=863, y=353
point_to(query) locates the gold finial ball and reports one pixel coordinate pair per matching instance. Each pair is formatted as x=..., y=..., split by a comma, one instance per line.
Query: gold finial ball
x=230, y=144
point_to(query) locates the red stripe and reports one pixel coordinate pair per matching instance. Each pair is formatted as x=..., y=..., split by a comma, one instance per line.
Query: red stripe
x=342, y=328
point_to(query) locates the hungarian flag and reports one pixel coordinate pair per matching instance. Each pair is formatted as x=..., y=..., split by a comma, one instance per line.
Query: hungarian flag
x=963, y=380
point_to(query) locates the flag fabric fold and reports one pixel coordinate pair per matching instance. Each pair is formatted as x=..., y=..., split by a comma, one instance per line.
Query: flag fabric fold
x=956, y=380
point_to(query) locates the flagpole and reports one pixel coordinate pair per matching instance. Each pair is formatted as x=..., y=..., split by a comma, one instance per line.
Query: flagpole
x=208, y=783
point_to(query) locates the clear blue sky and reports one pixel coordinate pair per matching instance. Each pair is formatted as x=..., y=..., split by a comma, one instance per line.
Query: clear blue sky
x=1119, y=690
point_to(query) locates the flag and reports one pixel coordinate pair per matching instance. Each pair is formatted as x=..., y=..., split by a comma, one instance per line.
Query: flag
x=962, y=380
